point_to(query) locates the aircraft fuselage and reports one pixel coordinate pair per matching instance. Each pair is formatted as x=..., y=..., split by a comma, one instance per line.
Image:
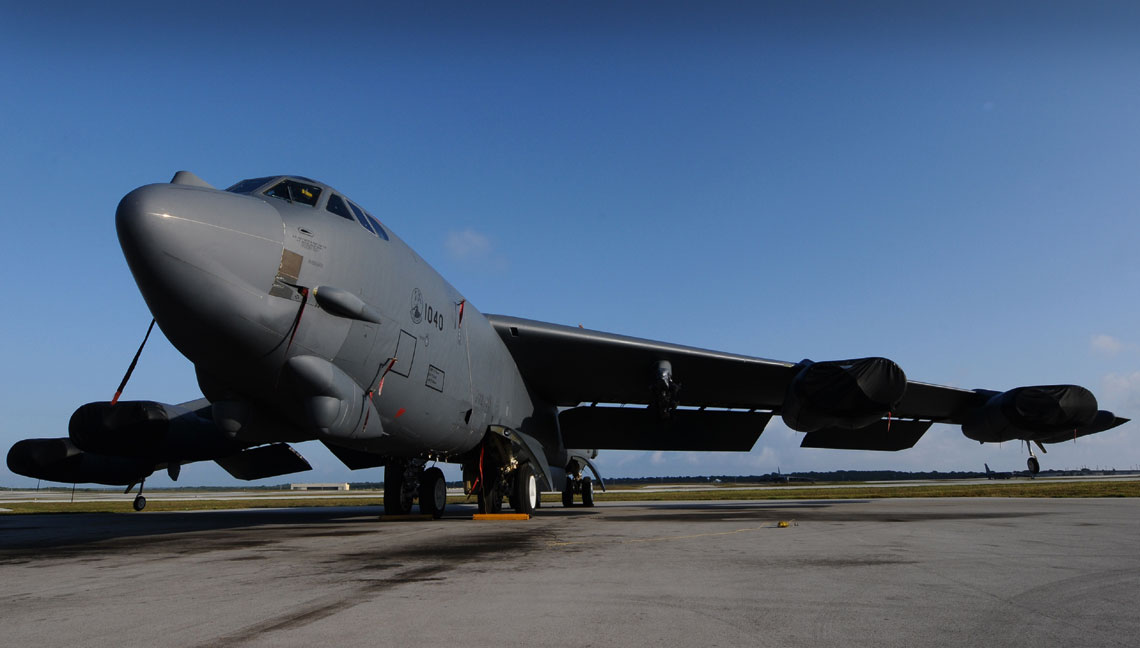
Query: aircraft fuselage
x=258, y=293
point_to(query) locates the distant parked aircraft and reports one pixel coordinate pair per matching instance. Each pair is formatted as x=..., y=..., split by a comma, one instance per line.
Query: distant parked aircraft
x=996, y=475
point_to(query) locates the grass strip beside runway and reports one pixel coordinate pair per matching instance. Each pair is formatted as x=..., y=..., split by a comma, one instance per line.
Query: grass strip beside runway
x=996, y=489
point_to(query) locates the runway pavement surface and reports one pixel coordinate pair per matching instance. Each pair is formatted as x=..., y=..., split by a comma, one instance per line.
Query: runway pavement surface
x=894, y=572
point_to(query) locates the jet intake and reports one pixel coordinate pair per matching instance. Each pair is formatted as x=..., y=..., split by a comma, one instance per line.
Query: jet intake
x=59, y=460
x=847, y=394
x=148, y=430
x=1034, y=414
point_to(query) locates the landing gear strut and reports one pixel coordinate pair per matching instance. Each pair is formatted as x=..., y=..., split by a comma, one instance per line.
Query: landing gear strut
x=1032, y=464
x=140, y=502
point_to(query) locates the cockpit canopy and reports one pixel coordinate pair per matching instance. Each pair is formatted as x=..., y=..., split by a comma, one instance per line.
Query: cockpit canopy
x=299, y=190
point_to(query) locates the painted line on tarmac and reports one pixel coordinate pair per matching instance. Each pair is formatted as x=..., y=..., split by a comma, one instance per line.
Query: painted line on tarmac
x=567, y=543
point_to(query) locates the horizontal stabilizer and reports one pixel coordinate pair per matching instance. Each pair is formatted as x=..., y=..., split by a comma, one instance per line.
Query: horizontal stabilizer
x=265, y=461
x=881, y=435
x=632, y=428
x=355, y=459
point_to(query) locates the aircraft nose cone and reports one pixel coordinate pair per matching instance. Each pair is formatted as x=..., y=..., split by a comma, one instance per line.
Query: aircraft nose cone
x=201, y=257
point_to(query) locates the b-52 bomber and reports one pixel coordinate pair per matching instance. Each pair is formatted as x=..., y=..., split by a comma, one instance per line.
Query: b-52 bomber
x=306, y=318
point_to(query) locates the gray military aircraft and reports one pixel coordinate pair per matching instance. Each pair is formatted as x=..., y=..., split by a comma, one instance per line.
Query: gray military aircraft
x=306, y=318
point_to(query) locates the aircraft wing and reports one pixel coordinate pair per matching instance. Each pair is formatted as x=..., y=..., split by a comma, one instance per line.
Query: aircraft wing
x=591, y=372
x=568, y=366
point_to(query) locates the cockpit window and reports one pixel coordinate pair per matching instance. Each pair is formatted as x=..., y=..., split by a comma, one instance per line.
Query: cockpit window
x=248, y=186
x=294, y=191
x=377, y=227
x=336, y=205
x=367, y=221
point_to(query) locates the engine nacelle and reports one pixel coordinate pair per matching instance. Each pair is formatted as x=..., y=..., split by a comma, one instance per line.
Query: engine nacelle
x=1032, y=414
x=148, y=430
x=60, y=460
x=849, y=394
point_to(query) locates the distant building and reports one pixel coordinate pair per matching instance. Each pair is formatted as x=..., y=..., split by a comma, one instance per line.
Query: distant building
x=319, y=487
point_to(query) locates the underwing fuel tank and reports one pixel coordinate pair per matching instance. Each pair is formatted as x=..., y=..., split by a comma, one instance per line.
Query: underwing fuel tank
x=848, y=394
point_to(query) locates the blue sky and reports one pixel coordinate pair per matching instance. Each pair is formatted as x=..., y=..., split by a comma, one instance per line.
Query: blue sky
x=950, y=185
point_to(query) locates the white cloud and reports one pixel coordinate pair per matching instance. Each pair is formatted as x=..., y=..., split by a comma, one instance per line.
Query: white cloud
x=474, y=251
x=468, y=245
x=1106, y=344
x=1122, y=391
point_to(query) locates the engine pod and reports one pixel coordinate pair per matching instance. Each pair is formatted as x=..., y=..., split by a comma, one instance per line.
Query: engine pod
x=1035, y=413
x=848, y=394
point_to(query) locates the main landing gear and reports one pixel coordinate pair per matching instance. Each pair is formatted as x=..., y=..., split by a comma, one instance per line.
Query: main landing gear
x=495, y=472
x=520, y=485
x=577, y=484
x=405, y=481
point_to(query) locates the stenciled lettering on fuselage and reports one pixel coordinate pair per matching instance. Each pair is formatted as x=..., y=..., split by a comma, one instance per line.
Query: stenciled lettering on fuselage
x=421, y=311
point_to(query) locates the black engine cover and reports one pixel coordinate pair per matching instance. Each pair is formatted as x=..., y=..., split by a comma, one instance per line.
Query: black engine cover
x=146, y=429
x=848, y=394
x=60, y=461
x=1032, y=414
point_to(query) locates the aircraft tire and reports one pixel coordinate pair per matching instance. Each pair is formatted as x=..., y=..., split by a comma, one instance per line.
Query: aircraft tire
x=1033, y=465
x=433, y=493
x=394, y=501
x=492, y=502
x=139, y=503
x=568, y=492
x=525, y=491
x=587, y=491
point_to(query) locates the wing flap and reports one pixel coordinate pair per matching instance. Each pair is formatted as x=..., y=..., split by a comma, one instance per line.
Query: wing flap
x=631, y=428
x=264, y=461
x=354, y=459
x=881, y=435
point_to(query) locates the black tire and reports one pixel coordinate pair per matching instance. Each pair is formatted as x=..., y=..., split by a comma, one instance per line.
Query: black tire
x=1033, y=465
x=139, y=503
x=490, y=501
x=525, y=491
x=395, y=502
x=433, y=493
x=587, y=491
x=568, y=492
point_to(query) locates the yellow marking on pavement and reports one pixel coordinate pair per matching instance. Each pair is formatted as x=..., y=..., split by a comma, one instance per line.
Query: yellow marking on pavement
x=500, y=516
x=657, y=539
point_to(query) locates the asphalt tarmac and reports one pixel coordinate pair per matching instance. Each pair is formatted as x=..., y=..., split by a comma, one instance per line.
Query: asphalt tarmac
x=894, y=572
